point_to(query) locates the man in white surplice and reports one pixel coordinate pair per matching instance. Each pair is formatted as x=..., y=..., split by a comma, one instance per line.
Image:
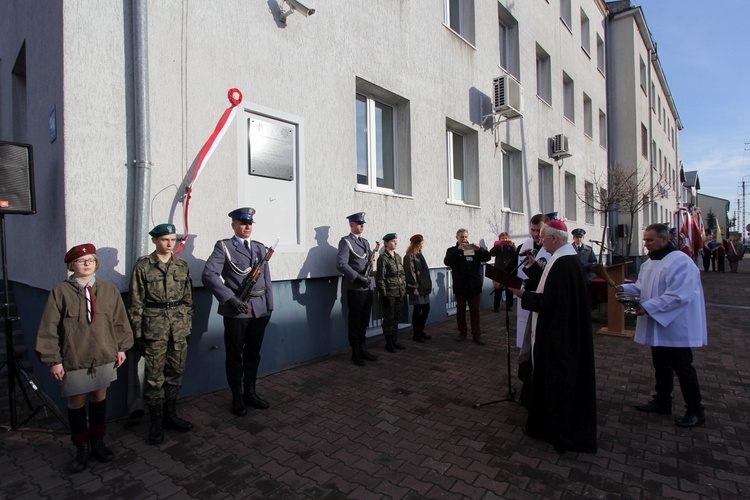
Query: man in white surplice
x=524, y=257
x=672, y=320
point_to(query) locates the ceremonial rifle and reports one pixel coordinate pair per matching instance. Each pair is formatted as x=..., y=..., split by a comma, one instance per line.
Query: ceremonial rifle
x=252, y=277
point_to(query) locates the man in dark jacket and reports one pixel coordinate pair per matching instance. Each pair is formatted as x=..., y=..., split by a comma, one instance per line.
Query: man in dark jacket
x=465, y=260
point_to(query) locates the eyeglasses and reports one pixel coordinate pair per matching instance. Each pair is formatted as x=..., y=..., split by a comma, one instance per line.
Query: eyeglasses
x=85, y=262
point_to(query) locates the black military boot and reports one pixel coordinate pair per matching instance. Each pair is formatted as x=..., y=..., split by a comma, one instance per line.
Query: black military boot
x=357, y=356
x=97, y=430
x=250, y=397
x=238, y=406
x=367, y=356
x=170, y=420
x=155, y=432
x=389, y=344
x=396, y=343
x=418, y=335
x=81, y=461
x=80, y=438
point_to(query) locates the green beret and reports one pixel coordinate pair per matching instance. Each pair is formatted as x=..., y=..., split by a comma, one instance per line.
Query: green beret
x=162, y=229
x=389, y=237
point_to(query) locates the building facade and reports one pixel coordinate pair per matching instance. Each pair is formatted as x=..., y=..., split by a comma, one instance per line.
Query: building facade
x=428, y=116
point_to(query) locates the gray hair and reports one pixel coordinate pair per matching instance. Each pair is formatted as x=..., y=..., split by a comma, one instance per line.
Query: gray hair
x=661, y=230
x=462, y=230
x=561, y=235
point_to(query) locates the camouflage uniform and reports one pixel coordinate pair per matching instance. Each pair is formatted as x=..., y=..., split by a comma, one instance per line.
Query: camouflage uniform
x=161, y=313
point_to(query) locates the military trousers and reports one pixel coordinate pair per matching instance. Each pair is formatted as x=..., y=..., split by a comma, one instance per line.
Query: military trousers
x=164, y=365
x=359, y=306
x=243, y=338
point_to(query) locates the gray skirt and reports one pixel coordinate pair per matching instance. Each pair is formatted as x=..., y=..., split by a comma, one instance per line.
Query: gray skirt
x=84, y=381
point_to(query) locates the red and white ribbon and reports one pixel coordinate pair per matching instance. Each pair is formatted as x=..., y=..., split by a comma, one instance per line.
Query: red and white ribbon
x=235, y=98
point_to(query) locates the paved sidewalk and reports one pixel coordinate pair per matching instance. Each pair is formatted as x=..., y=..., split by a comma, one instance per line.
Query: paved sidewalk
x=404, y=427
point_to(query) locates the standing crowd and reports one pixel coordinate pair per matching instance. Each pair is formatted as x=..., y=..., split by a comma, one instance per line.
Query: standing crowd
x=86, y=329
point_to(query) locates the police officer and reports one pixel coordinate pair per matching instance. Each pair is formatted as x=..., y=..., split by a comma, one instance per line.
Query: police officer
x=585, y=252
x=353, y=260
x=161, y=314
x=226, y=270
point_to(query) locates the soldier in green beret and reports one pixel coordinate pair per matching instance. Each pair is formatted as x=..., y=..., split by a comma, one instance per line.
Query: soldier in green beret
x=161, y=313
x=390, y=281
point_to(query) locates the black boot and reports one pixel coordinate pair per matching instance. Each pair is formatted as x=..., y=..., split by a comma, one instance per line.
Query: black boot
x=97, y=430
x=418, y=335
x=367, y=356
x=238, y=406
x=389, y=344
x=170, y=420
x=80, y=438
x=81, y=461
x=155, y=432
x=423, y=334
x=252, y=399
x=357, y=356
x=396, y=343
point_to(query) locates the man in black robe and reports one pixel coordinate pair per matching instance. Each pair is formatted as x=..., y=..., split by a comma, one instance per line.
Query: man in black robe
x=562, y=405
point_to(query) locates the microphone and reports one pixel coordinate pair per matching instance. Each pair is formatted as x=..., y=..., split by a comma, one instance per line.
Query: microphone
x=525, y=259
x=596, y=241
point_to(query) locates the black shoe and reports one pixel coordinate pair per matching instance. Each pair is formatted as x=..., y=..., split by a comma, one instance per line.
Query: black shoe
x=478, y=340
x=155, y=431
x=425, y=336
x=655, y=406
x=100, y=451
x=691, y=419
x=460, y=338
x=496, y=309
x=397, y=344
x=418, y=338
x=81, y=461
x=256, y=402
x=367, y=355
x=238, y=406
x=357, y=356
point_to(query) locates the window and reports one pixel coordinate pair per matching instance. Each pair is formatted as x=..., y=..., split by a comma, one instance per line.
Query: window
x=588, y=189
x=512, y=180
x=644, y=141
x=603, y=194
x=602, y=129
x=463, y=165
x=643, y=77
x=646, y=209
x=588, y=116
x=566, y=14
x=376, y=143
x=653, y=93
x=508, y=41
x=659, y=109
x=585, y=34
x=570, y=196
x=546, y=188
x=459, y=16
x=543, y=76
x=600, y=55
x=569, y=104
x=383, y=149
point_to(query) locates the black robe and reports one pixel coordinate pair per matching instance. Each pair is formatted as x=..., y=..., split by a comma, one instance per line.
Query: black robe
x=562, y=405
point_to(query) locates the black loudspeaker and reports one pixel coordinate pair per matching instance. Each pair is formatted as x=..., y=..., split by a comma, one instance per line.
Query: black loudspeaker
x=622, y=230
x=16, y=179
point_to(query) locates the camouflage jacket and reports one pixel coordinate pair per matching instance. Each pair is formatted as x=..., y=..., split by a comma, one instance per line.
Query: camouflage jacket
x=390, y=278
x=161, y=298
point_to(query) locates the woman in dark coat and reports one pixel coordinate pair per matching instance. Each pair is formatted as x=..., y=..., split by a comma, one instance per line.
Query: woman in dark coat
x=418, y=286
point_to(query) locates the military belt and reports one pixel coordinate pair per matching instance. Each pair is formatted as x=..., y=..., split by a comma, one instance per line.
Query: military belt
x=257, y=293
x=165, y=305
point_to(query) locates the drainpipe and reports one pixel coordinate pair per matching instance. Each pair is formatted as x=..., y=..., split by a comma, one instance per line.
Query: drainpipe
x=651, y=99
x=142, y=161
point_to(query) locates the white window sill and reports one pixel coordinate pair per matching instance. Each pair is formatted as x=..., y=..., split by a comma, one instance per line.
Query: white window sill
x=460, y=204
x=363, y=189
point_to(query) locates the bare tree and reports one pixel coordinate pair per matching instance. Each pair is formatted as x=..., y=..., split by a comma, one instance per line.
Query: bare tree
x=619, y=190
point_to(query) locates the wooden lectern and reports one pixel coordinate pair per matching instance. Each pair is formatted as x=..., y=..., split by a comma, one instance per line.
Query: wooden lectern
x=615, y=310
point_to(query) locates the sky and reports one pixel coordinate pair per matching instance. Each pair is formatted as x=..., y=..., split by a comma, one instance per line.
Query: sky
x=704, y=50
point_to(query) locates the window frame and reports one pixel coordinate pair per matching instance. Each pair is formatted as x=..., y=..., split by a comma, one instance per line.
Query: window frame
x=543, y=75
x=372, y=155
x=588, y=116
x=569, y=100
x=571, y=212
x=512, y=179
x=585, y=33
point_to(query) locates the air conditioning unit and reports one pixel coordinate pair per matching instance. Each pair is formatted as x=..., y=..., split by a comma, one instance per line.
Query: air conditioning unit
x=560, y=147
x=508, y=95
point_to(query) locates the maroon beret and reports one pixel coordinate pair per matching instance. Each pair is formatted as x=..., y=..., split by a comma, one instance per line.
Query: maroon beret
x=79, y=251
x=416, y=238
